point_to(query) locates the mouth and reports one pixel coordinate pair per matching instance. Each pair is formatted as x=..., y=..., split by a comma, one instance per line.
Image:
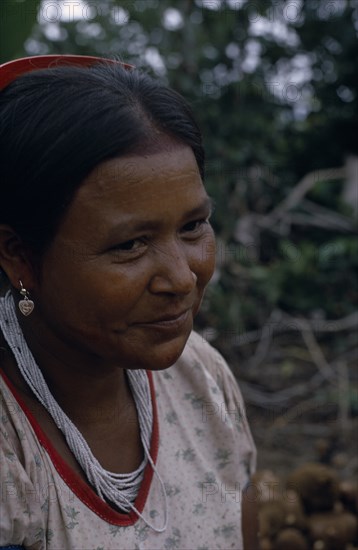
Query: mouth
x=172, y=321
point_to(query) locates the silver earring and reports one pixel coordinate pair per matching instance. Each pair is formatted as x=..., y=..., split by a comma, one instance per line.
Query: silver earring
x=26, y=306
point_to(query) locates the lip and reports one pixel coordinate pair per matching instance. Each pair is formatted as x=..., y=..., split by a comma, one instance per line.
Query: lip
x=168, y=321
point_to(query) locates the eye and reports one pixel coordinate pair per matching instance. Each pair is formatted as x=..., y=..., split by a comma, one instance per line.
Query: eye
x=195, y=228
x=128, y=246
x=129, y=249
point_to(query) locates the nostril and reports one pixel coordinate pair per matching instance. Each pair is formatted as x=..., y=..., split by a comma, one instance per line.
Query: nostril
x=174, y=281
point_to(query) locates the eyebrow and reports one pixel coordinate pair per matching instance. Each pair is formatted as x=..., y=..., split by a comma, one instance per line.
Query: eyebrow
x=207, y=206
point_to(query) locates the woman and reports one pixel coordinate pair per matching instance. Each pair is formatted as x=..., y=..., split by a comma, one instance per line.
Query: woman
x=106, y=249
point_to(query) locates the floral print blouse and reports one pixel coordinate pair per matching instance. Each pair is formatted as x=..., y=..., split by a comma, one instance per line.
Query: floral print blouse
x=203, y=451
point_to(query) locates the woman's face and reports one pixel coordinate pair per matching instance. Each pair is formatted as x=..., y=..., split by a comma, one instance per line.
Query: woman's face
x=127, y=270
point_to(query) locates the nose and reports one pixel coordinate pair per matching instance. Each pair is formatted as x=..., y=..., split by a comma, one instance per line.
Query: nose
x=173, y=274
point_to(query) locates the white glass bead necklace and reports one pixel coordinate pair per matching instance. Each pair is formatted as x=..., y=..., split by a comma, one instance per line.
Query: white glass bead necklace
x=120, y=489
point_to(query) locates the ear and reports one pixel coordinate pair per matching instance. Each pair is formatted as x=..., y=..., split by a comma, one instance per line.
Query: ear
x=15, y=258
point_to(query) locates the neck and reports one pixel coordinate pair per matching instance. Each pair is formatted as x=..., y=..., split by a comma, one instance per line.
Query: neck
x=86, y=389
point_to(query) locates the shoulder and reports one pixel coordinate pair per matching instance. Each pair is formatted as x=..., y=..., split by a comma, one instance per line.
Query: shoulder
x=211, y=362
x=202, y=389
x=200, y=348
x=202, y=375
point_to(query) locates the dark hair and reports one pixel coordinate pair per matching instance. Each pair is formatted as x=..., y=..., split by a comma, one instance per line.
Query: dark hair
x=58, y=124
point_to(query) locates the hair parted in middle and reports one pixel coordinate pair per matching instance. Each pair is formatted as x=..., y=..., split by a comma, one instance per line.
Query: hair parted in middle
x=58, y=124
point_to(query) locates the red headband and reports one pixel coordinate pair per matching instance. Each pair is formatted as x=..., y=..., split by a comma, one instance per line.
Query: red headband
x=12, y=69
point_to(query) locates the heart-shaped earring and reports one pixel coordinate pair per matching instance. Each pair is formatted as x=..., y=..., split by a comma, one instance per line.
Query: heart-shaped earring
x=26, y=306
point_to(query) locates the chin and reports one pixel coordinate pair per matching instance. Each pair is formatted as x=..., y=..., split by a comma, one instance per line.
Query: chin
x=164, y=355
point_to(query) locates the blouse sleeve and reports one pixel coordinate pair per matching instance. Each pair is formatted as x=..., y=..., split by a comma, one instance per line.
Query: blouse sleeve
x=21, y=520
x=219, y=370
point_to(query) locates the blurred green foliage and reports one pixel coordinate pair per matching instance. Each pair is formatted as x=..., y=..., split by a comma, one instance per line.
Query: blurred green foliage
x=17, y=18
x=274, y=86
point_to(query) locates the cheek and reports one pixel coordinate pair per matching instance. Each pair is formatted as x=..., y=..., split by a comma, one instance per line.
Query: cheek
x=205, y=259
x=88, y=293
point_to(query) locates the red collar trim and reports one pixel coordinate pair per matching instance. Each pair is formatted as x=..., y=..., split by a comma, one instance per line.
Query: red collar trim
x=83, y=491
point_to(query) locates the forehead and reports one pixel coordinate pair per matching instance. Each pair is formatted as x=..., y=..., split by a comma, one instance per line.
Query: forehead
x=169, y=174
x=133, y=191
